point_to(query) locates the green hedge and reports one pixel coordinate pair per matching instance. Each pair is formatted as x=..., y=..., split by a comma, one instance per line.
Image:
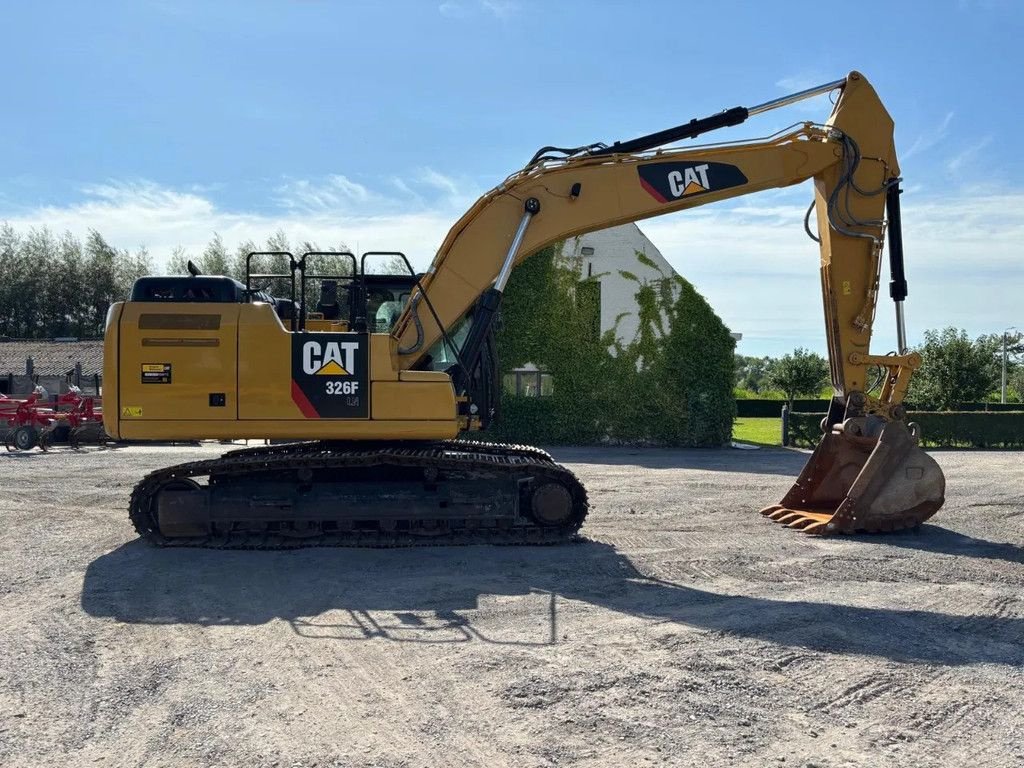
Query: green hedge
x=761, y=408
x=939, y=429
x=554, y=421
x=527, y=420
x=772, y=407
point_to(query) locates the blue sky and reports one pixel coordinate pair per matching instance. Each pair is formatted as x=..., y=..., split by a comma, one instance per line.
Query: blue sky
x=377, y=123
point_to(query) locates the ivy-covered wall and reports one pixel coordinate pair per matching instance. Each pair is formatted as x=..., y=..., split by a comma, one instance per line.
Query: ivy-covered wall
x=670, y=385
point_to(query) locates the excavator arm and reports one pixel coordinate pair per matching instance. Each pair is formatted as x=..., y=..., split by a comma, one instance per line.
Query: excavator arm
x=553, y=199
x=852, y=160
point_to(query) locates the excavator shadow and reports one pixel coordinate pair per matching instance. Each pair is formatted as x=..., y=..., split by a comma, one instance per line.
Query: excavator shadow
x=504, y=595
x=932, y=538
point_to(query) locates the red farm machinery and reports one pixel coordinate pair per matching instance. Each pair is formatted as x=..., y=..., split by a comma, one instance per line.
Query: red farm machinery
x=43, y=421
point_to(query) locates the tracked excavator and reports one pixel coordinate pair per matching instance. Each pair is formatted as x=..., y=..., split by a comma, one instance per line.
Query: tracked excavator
x=363, y=409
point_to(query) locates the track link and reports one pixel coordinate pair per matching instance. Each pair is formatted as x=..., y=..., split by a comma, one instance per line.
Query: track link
x=452, y=455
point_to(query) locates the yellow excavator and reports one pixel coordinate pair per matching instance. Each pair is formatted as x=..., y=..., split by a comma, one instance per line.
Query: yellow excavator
x=364, y=398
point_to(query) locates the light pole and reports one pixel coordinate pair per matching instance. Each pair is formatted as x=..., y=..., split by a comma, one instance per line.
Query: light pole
x=1002, y=395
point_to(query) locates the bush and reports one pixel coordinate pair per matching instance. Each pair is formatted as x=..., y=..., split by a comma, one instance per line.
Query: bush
x=671, y=385
x=939, y=429
x=527, y=419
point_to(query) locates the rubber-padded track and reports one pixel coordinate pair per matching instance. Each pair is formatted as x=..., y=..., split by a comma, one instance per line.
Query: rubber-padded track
x=458, y=455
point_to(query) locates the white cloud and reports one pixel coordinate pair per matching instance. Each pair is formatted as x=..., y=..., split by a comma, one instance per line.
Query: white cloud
x=761, y=273
x=966, y=156
x=751, y=259
x=462, y=9
x=334, y=193
x=337, y=210
x=502, y=9
x=438, y=180
x=930, y=137
x=454, y=9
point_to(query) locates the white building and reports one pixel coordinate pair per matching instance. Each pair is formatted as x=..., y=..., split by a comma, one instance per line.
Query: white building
x=605, y=254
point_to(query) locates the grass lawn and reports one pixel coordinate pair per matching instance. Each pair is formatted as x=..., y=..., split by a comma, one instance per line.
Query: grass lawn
x=766, y=431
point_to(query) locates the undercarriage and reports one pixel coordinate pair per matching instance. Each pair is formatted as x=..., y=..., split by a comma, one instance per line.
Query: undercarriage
x=317, y=494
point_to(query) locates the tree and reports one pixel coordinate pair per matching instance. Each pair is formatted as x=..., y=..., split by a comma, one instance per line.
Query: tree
x=215, y=259
x=100, y=283
x=177, y=262
x=130, y=267
x=34, y=307
x=1014, y=361
x=955, y=369
x=10, y=241
x=801, y=373
x=278, y=265
x=1015, y=385
x=751, y=372
x=70, y=316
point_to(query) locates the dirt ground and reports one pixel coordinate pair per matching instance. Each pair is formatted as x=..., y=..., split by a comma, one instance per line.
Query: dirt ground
x=687, y=630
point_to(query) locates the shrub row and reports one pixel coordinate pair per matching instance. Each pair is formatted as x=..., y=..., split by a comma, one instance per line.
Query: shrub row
x=755, y=409
x=527, y=420
x=551, y=421
x=765, y=408
x=939, y=429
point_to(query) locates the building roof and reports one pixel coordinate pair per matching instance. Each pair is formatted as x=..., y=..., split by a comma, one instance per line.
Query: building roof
x=50, y=357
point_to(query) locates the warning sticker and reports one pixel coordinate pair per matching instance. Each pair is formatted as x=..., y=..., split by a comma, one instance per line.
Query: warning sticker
x=156, y=373
x=130, y=411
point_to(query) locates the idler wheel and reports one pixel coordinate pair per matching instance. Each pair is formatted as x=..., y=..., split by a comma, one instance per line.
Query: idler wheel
x=551, y=504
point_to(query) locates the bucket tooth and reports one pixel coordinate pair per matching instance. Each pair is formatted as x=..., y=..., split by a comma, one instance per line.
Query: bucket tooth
x=785, y=516
x=817, y=528
x=857, y=484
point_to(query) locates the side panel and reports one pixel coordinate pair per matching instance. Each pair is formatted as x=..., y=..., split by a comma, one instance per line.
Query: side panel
x=401, y=400
x=264, y=365
x=177, y=361
x=307, y=375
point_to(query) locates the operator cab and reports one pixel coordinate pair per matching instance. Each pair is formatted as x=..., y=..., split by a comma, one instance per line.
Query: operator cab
x=349, y=300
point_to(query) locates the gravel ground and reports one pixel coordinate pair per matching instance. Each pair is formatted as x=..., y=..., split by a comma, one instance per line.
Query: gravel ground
x=688, y=630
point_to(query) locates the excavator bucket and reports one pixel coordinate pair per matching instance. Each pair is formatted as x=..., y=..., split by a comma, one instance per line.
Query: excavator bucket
x=858, y=484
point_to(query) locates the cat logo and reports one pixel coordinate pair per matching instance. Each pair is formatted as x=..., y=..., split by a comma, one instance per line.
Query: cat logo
x=689, y=181
x=669, y=181
x=331, y=375
x=333, y=358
